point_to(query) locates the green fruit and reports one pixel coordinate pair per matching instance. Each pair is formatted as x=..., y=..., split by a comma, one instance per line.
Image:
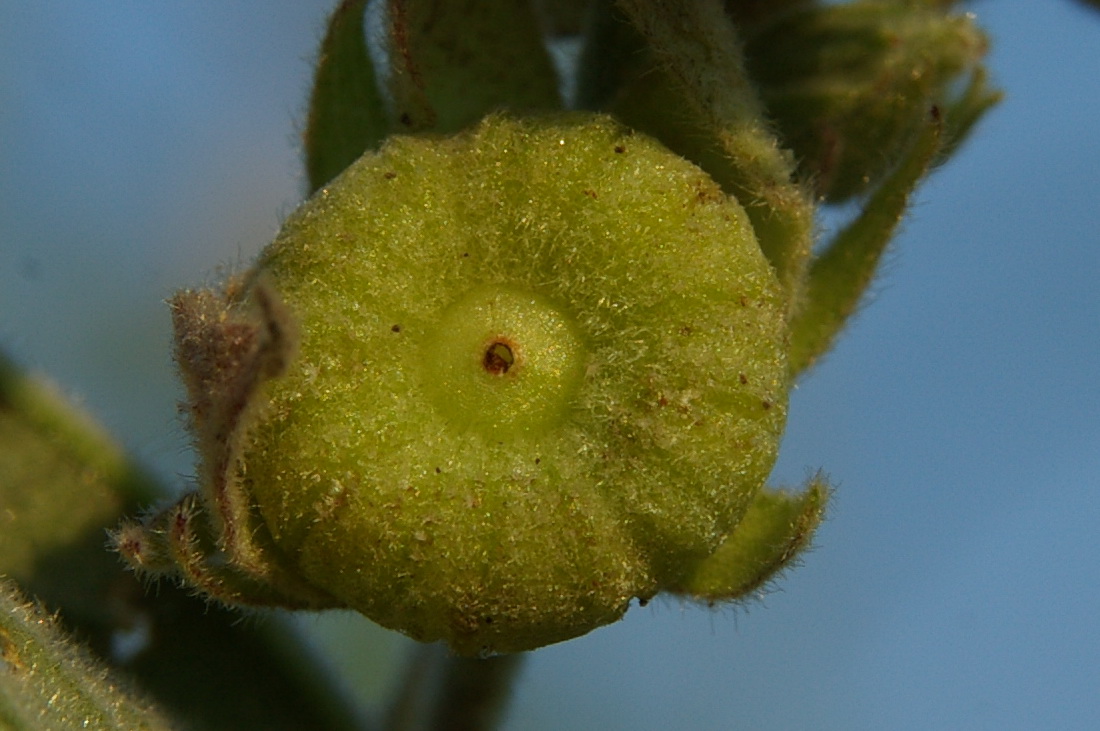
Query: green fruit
x=541, y=371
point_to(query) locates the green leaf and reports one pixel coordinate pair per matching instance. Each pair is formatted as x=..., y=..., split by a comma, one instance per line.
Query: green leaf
x=346, y=112
x=455, y=61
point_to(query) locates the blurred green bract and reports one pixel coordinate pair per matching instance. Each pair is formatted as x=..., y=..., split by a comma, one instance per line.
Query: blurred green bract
x=541, y=372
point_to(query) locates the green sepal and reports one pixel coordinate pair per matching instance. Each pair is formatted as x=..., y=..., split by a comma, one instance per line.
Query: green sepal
x=442, y=78
x=962, y=113
x=346, y=112
x=840, y=275
x=846, y=85
x=694, y=94
x=776, y=528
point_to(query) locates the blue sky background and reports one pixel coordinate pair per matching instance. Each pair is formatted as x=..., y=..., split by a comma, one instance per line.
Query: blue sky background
x=956, y=583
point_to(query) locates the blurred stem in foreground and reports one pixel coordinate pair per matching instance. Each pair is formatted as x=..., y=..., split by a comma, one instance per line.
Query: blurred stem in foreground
x=45, y=679
x=444, y=691
x=63, y=484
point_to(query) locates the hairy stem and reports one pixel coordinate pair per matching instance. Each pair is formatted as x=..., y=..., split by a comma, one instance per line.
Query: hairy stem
x=63, y=484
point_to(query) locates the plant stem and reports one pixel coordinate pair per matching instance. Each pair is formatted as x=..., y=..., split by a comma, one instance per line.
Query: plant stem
x=63, y=484
x=443, y=691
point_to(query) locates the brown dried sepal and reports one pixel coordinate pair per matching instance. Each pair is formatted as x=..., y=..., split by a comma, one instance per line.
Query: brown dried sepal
x=227, y=345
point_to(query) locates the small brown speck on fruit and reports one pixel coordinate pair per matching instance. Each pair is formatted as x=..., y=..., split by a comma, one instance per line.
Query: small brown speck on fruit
x=396, y=328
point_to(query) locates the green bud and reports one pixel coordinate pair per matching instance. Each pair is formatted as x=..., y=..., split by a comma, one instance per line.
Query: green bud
x=848, y=86
x=442, y=79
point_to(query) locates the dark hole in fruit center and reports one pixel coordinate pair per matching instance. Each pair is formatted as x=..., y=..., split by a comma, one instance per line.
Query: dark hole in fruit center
x=498, y=358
